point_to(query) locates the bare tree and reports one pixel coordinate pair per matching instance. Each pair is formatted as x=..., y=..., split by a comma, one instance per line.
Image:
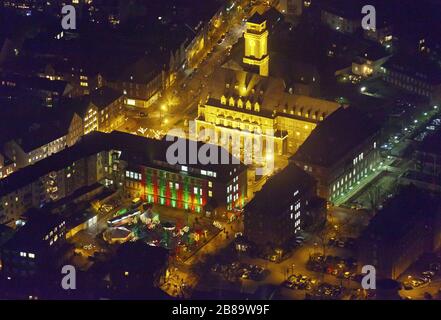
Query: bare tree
x=374, y=196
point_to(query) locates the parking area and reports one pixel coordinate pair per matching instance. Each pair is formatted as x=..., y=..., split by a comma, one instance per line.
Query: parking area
x=235, y=270
x=325, y=291
x=300, y=282
x=423, y=279
x=342, y=268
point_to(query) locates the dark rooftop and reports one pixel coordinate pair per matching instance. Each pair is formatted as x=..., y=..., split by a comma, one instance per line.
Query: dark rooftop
x=346, y=9
x=150, y=152
x=280, y=188
x=31, y=235
x=256, y=18
x=400, y=213
x=37, y=135
x=139, y=257
x=337, y=135
x=416, y=67
x=104, y=96
x=141, y=71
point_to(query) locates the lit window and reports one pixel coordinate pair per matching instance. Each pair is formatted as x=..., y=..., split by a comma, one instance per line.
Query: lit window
x=210, y=193
x=31, y=255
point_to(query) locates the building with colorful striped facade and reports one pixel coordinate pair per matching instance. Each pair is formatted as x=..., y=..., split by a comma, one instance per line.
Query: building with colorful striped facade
x=195, y=187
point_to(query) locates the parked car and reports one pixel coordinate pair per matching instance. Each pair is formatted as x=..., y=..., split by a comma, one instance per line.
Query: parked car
x=428, y=274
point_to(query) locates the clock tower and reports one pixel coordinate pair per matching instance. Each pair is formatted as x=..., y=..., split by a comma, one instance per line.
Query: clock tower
x=256, y=44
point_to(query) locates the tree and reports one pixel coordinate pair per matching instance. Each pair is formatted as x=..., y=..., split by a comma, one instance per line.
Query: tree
x=374, y=196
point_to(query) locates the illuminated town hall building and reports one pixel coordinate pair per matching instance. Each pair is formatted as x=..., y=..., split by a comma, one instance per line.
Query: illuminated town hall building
x=245, y=101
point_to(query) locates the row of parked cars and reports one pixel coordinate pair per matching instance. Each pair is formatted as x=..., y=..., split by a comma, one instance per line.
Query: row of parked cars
x=299, y=282
x=425, y=277
x=343, y=268
x=240, y=270
x=342, y=242
x=429, y=130
x=325, y=291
